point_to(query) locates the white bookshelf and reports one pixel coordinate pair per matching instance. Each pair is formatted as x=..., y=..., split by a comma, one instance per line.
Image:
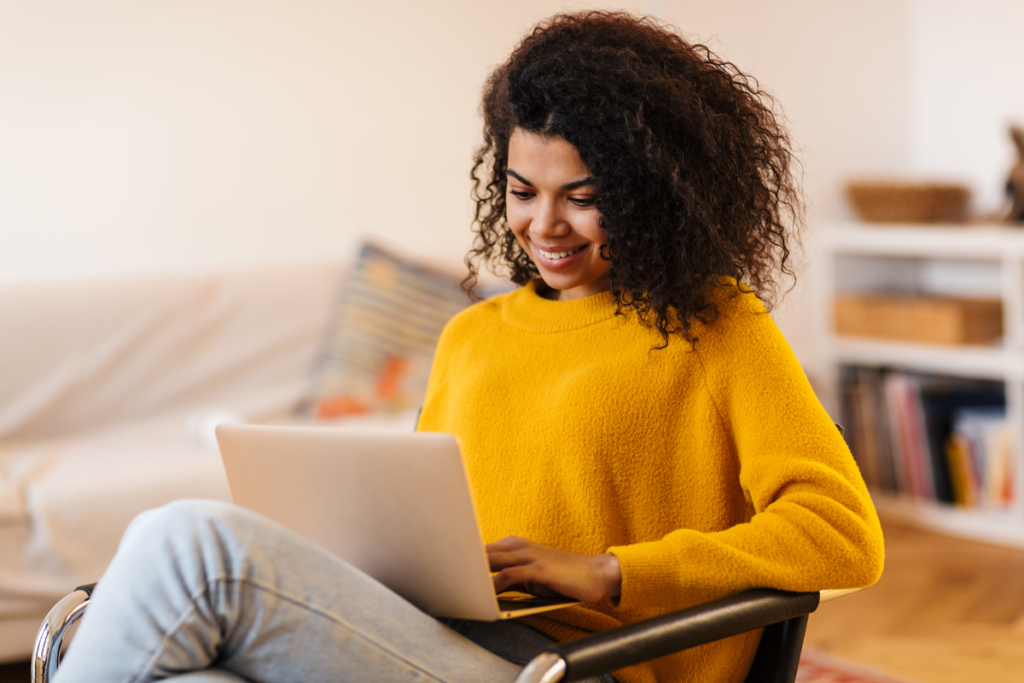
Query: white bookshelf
x=859, y=256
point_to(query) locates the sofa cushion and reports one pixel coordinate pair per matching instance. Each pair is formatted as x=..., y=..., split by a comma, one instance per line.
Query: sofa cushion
x=377, y=350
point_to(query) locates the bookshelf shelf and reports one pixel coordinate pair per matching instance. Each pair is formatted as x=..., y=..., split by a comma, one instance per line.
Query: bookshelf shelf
x=855, y=257
x=990, y=526
x=949, y=241
x=967, y=361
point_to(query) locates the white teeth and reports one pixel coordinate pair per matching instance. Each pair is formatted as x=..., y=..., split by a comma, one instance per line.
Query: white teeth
x=557, y=254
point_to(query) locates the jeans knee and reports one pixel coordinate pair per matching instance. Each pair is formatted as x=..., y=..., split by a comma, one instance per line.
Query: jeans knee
x=196, y=537
x=182, y=520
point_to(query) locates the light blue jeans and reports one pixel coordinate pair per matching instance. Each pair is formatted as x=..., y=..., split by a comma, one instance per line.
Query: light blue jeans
x=206, y=592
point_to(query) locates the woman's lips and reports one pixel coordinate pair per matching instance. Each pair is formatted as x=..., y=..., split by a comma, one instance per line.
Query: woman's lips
x=553, y=258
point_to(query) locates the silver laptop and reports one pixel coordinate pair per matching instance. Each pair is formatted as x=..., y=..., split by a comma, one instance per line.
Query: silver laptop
x=395, y=505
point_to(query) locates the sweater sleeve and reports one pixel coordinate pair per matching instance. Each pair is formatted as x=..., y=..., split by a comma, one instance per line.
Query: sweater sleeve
x=813, y=524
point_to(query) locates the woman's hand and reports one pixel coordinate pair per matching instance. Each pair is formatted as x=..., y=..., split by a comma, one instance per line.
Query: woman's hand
x=541, y=570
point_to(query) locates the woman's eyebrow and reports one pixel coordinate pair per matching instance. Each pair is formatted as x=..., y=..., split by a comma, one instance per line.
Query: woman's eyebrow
x=518, y=177
x=589, y=180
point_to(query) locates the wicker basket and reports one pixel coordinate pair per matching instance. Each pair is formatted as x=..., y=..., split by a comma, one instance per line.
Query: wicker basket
x=929, y=319
x=888, y=202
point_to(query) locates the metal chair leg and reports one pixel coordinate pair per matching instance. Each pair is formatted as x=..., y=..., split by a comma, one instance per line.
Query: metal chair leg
x=46, y=654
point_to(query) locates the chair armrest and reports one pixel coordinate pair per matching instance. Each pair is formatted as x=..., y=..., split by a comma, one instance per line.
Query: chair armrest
x=652, y=638
x=46, y=653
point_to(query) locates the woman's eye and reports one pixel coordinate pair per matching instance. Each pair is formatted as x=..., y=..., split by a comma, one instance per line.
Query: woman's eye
x=583, y=201
x=521, y=194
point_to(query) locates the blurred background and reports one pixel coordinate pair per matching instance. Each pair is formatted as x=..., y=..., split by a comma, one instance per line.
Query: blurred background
x=197, y=133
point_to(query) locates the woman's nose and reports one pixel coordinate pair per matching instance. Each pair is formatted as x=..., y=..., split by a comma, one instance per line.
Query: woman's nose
x=549, y=221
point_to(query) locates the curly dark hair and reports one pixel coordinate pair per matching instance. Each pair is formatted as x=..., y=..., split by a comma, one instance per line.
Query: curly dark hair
x=693, y=169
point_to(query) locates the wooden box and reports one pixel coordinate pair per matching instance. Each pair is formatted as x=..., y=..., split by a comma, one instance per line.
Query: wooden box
x=893, y=202
x=935, y=320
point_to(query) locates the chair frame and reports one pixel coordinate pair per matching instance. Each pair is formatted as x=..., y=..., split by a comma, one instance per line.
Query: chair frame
x=782, y=614
x=55, y=631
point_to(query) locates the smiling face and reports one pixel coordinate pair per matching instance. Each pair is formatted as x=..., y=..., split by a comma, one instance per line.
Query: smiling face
x=551, y=210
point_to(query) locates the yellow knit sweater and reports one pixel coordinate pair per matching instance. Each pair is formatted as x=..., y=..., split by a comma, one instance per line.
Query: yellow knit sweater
x=706, y=469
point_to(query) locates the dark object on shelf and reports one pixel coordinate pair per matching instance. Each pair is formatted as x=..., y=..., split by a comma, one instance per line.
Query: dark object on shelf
x=1015, y=184
x=905, y=202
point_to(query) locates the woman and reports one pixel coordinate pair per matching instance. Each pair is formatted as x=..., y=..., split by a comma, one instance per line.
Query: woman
x=637, y=432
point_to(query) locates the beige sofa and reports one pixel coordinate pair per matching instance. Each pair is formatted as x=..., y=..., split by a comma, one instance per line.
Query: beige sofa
x=108, y=394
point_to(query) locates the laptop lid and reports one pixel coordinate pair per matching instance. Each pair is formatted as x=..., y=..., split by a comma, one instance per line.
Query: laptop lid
x=395, y=505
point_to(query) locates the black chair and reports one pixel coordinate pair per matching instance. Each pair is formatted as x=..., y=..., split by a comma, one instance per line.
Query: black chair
x=782, y=614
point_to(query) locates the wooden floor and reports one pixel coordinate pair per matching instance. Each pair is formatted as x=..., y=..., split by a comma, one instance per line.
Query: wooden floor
x=945, y=611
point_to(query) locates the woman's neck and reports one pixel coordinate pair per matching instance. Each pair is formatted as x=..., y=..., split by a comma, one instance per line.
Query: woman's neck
x=545, y=291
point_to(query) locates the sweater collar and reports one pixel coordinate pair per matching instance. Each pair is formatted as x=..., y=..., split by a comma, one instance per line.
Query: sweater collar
x=527, y=309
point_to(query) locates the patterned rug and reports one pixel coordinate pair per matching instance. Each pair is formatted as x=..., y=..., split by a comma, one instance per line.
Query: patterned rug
x=816, y=667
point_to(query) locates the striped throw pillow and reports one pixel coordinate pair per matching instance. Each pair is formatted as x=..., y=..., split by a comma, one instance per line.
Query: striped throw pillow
x=379, y=345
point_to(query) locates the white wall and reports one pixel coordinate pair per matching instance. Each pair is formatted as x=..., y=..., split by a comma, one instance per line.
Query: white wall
x=967, y=88
x=185, y=133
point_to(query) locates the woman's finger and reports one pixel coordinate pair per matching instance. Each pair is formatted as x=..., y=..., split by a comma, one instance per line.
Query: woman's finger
x=522, y=575
x=501, y=560
x=508, y=543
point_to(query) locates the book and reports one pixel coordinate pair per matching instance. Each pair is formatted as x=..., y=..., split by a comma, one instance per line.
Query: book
x=932, y=437
x=984, y=433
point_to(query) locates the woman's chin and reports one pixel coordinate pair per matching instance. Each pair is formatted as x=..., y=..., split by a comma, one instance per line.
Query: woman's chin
x=557, y=289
